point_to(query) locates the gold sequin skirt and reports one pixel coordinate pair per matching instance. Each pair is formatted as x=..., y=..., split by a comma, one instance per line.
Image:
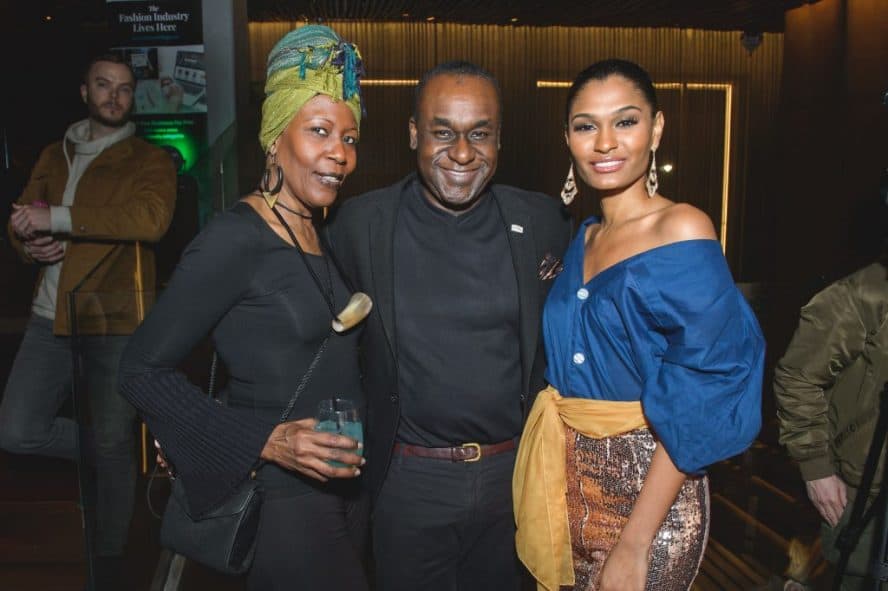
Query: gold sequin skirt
x=604, y=477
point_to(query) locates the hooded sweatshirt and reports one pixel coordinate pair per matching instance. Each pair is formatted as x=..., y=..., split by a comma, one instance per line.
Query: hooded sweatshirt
x=85, y=151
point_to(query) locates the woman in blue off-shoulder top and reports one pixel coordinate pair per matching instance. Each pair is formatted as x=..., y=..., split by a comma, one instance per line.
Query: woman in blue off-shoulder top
x=655, y=363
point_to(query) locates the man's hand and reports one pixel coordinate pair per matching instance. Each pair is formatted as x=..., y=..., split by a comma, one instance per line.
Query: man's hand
x=829, y=495
x=28, y=220
x=44, y=249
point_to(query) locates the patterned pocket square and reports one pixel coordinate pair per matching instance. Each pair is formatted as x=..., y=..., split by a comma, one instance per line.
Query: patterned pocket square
x=550, y=267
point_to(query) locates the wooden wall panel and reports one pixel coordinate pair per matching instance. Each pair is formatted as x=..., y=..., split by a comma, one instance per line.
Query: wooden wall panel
x=833, y=145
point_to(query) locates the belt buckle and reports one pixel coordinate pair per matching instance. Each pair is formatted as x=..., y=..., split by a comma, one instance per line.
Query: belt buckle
x=477, y=447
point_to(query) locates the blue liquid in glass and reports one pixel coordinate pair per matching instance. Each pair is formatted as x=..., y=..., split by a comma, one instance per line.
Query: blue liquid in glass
x=353, y=429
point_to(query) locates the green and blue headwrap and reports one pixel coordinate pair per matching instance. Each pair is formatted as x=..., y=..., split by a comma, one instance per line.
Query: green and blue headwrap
x=308, y=61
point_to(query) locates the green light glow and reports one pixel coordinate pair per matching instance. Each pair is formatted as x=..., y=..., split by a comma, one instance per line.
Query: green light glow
x=178, y=134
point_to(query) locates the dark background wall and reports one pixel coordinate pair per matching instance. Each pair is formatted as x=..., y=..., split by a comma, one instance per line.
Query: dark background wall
x=832, y=137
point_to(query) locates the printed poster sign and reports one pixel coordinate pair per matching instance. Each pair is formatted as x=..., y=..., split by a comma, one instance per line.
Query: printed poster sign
x=162, y=40
x=161, y=22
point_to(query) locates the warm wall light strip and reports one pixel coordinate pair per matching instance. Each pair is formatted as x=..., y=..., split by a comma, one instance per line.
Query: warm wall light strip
x=563, y=84
x=389, y=82
x=139, y=285
x=140, y=316
x=728, y=89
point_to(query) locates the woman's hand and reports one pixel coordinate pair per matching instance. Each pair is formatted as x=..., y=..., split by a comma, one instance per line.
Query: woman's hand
x=296, y=446
x=627, y=564
x=625, y=568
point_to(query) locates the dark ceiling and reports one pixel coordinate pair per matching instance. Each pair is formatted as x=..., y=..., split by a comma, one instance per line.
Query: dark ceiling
x=750, y=15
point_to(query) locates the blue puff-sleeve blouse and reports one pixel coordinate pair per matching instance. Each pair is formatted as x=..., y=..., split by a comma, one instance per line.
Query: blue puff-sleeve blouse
x=667, y=327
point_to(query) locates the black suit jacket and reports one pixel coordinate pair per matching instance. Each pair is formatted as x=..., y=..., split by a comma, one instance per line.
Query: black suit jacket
x=361, y=233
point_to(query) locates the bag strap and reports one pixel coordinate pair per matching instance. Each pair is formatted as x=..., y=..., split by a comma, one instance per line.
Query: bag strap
x=305, y=378
x=328, y=297
x=299, y=388
x=211, y=386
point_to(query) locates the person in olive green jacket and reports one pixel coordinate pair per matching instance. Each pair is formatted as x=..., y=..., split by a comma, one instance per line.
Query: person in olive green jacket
x=828, y=385
x=91, y=200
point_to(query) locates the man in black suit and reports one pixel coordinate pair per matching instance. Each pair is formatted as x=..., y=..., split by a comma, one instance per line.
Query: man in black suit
x=452, y=352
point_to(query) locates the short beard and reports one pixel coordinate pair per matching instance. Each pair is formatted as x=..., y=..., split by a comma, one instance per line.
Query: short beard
x=96, y=115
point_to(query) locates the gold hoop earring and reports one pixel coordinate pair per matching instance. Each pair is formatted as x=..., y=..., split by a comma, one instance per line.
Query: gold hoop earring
x=651, y=183
x=569, y=190
x=269, y=193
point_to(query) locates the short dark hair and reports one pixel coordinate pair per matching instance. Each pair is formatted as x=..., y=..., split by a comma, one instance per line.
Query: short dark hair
x=107, y=56
x=613, y=67
x=456, y=68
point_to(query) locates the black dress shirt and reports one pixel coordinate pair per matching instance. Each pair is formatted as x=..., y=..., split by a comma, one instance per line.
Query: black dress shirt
x=456, y=317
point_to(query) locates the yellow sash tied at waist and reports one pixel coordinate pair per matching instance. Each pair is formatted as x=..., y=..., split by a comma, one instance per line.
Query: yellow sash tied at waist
x=539, y=489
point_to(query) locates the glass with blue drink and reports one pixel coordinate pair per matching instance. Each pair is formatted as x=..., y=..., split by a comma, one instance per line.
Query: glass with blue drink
x=340, y=415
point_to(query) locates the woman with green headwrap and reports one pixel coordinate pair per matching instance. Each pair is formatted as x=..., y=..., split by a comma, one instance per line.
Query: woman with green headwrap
x=260, y=279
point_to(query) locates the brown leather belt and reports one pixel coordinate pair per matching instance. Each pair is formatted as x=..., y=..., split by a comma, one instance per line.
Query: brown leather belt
x=467, y=452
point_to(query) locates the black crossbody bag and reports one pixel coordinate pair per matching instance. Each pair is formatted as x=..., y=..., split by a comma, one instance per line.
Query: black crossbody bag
x=223, y=538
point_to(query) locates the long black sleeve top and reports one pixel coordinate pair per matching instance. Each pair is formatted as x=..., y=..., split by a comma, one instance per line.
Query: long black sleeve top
x=267, y=316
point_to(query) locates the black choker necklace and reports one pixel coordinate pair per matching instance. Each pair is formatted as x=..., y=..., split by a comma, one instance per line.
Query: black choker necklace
x=305, y=216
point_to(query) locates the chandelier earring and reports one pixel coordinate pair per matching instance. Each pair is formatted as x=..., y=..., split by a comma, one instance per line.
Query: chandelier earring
x=651, y=183
x=569, y=190
x=269, y=191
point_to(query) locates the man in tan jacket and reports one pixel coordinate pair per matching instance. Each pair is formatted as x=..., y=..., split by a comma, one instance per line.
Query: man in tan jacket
x=91, y=200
